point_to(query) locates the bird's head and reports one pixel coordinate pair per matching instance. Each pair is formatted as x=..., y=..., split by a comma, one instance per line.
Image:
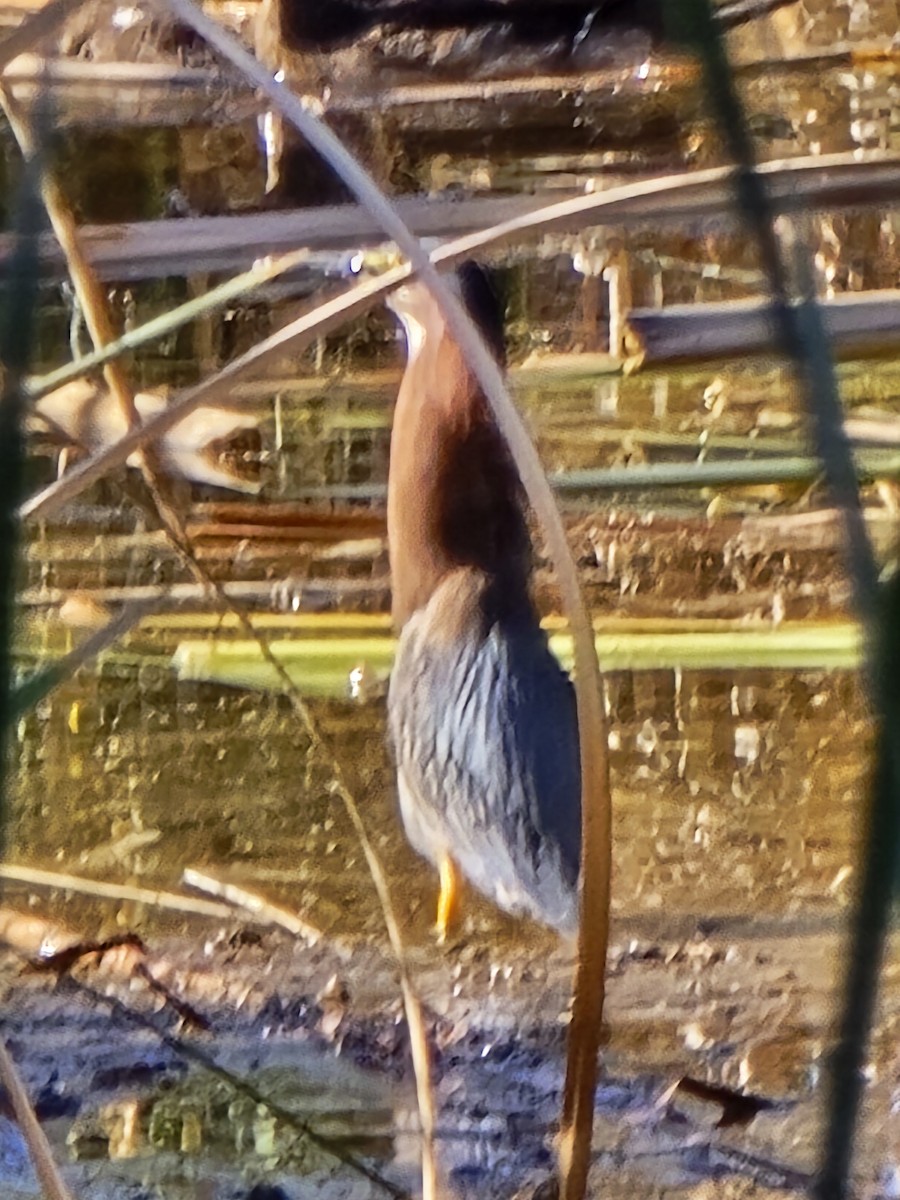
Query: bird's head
x=423, y=320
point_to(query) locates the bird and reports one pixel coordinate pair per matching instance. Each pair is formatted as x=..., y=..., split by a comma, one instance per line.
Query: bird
x=481, y=717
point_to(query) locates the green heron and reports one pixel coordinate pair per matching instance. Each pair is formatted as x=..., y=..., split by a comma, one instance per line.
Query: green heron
x=481, y=717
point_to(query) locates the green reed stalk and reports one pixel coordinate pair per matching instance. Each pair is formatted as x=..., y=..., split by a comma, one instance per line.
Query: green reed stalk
x=17, y=307
x=804, y=339
x=322, y=666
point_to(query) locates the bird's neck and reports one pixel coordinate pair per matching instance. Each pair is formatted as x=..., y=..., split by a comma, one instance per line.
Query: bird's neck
x=454, y=498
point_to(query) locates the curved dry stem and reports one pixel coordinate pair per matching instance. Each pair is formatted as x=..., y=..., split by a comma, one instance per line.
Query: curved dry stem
x=38, y=1147
x=96, y=313
x=62, y=881
x=253, y=905
x=596, y=816
x=38, y=26
x=94, y=306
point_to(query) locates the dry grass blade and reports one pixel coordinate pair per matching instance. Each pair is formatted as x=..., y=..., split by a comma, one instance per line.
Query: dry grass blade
x=411, y=1004
x=580, y=83
x=93, y=302
x=171, y=901
x=252, y=904
x=38, y=1147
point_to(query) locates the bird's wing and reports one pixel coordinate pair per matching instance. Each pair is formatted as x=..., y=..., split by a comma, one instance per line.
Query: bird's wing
x=485, y=737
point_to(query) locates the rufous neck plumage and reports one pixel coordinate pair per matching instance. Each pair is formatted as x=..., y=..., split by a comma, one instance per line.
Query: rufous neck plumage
x=454, y=497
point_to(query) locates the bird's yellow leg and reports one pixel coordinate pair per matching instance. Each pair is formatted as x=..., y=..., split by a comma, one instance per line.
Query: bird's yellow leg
x=448, y=900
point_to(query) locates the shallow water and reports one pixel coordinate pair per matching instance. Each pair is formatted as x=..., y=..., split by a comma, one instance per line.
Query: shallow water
x=737, y=802
x=735, y=793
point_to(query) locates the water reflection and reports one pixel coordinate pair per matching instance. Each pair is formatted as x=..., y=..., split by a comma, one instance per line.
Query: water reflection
x=733, y=795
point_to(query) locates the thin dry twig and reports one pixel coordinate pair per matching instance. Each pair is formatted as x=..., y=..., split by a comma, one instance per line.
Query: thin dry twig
x=34, y=877
x=585, y=84
x=38, y=1147
x=252, y=904
x=163, y=248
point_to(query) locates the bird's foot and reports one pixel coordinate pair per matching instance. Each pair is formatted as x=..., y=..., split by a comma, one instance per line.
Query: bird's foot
x=448, y=900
